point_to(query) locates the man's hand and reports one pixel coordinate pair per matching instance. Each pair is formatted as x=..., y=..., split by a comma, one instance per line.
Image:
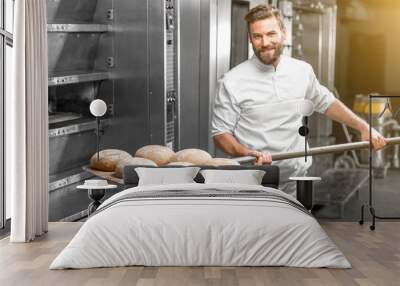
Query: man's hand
x=341, y=113
x=378, y=141
x=229, y=144
x=261, y=157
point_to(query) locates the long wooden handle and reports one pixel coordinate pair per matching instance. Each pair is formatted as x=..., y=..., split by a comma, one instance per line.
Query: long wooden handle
x=319, y=150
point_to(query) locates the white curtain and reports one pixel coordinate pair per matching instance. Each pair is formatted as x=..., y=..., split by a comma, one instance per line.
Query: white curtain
x=27, y=124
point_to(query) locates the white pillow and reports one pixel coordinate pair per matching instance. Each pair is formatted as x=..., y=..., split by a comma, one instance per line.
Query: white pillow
x=248, y=177
x=166, y=176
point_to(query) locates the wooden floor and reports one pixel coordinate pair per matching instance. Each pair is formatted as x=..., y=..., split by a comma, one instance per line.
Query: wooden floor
x=375, y=257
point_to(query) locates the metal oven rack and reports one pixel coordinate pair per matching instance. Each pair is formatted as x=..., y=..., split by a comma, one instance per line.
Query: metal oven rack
x=125, y=52
x=80, y=41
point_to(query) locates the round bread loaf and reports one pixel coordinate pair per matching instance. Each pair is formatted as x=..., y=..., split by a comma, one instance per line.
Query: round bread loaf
x=161, y=155
x=131, y=161
x=180, y=164
x=194, y=156
x=221, y=162
x=108, y=159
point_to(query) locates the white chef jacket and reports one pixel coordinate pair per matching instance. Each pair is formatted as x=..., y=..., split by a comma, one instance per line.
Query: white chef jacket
x=253, y=104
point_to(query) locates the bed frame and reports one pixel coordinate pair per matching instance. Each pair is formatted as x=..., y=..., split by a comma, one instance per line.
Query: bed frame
x=270, y=179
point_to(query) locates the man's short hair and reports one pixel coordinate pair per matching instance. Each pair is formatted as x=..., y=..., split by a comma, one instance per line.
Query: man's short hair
x=261, y=12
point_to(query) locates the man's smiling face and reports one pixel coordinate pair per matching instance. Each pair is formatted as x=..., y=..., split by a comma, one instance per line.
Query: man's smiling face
x=267, y=37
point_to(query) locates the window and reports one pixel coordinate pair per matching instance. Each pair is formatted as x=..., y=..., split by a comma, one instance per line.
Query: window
x=6, y=43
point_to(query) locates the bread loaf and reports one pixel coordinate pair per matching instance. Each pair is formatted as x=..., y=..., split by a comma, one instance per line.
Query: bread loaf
x=108, y=159
x=161, y=155
x=131, y=161
x=179, y=164
x=194, y=156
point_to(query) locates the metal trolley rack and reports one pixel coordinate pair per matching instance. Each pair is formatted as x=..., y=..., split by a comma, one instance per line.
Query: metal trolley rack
x=370, y=205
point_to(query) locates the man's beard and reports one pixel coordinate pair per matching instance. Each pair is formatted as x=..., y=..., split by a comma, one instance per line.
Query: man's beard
x=266, y=58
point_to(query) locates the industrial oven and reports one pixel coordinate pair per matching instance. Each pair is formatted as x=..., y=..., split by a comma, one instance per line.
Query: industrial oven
x=124, y=52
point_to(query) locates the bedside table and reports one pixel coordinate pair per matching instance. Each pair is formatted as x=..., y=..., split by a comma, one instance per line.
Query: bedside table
x=304, y=190
x=95, y=193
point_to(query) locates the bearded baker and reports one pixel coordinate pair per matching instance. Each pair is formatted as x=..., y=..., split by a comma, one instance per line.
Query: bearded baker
x=251, y=115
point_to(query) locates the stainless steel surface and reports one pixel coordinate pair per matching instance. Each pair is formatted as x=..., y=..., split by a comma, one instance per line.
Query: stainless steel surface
x=171, y=43
x=105, y=12
x=63, y=116
x=142, y=74
x=78, y=28
x=71, y=11
x=71, y=151
x=68, y=178
x=84, y=47
x=190, y=57
x=156, y=67
x=131, y=77
x=319, y=150
x=223, y=37
x=286, y=8
x=71, y=128
x=210, y=76
x=315, y=42
x=76, y=98
x=163, y=70
x=239, y=38
x=69, y=202
x=105, y=53
x=78, y=78
x=178, y=120
x=206, y=97
x=329, y=26
x=80, y=44
x=220, y=41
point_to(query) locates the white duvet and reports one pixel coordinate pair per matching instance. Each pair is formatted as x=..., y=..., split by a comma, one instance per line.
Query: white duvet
x=185, y=231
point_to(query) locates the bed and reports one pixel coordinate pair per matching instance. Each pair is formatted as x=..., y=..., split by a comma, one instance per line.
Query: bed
x=198, y=224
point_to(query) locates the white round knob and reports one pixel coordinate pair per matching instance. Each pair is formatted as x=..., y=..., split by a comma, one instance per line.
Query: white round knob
x=305, y=107
x=98, y=107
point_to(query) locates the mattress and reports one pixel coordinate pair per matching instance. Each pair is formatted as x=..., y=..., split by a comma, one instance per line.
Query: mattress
x=201, y=225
